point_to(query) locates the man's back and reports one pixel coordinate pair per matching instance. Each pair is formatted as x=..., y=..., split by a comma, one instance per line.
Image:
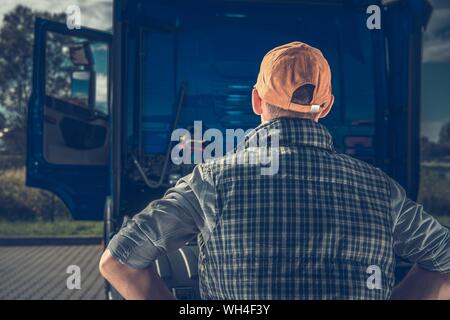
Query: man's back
x=322, y=226
x=312, y=230
x=315, y=224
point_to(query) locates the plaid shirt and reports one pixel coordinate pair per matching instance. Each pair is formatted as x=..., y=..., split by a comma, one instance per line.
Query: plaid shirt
x=317, y=229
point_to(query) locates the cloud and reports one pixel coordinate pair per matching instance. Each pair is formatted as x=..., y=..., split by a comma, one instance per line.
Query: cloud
x=436, y=46
x=95, y=14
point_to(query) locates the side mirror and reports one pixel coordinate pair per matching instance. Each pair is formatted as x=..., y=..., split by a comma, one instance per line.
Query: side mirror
x=81, y=54
x=82, y=88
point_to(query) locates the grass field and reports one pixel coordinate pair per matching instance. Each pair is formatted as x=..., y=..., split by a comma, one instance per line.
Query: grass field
x=57, y=228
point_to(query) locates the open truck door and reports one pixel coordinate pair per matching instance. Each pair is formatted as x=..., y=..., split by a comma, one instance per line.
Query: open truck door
x=68, y=117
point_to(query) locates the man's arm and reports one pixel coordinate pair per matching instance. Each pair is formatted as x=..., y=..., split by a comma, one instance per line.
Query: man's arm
x=421, y=239
x=420, y=284
x=164, y=226
x=133, y=284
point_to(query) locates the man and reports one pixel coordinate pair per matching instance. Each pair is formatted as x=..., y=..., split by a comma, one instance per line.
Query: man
x=324, y=226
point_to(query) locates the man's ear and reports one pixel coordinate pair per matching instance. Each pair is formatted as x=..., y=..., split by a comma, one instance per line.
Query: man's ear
x=256, y=102
x=327, y=109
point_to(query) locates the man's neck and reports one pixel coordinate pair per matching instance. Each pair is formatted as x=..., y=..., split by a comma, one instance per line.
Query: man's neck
x=264, y=120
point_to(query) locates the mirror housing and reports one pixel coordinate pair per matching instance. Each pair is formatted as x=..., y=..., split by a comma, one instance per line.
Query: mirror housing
x=81, y=54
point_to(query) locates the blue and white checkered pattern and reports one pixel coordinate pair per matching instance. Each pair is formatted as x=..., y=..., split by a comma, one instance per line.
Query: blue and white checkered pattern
x=308, y=232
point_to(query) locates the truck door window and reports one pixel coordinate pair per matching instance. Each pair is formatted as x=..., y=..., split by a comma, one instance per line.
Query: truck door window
x=357, y=65
x=77, y=72
x=76, y=100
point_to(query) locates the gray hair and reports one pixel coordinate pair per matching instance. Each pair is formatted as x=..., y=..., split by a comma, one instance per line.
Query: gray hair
x=277, y=112
x=302, y=95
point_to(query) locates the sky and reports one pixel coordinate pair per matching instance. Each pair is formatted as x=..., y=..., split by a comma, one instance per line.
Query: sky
x=435, y=99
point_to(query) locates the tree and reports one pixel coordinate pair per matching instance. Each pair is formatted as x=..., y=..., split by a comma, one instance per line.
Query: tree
x=16, y=54
x=2, y=121
x=433, y=151
x=444, y=134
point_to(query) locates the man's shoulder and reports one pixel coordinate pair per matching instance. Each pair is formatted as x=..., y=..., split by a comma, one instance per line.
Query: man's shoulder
x=361, y=165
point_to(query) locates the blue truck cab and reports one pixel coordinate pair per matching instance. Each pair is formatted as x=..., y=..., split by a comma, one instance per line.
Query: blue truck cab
x=103, y=105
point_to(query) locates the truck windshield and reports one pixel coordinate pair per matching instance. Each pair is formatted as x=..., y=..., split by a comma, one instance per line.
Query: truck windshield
x=218, y=53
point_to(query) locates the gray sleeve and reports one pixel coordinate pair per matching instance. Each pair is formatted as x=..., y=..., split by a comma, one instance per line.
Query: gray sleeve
x=163, y=226
x=418, y=237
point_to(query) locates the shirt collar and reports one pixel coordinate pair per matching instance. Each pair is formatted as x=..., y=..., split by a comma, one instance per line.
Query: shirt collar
x=295, y=131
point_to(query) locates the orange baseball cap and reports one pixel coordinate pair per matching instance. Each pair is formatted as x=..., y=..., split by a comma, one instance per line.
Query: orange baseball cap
x=291, y=67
